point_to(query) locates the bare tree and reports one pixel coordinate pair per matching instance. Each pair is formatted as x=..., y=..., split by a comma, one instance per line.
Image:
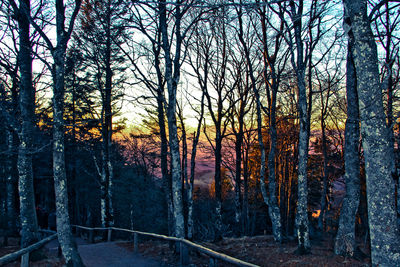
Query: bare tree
x=27, y=108
x=173, y=61
x=376, y=139
x=345, y=242
x=58, y=52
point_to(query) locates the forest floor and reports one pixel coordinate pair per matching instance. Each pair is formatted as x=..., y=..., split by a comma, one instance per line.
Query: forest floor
x=260, y=250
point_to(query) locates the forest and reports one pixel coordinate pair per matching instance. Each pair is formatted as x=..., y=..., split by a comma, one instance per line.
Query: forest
x=202, y=120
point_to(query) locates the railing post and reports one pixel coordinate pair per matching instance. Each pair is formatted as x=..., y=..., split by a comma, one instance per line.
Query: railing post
x=109, y=234
x=213, y=262
x=91, y=237
x=25, y=260
x=184, y=255
x=135, y=242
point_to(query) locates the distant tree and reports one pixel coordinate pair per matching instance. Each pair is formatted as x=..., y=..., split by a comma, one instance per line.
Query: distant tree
x=142, y=55
x=101, y=34
x=327, y=85
x=82, y=127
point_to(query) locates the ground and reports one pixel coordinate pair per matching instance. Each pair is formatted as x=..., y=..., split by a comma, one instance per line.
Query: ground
x=260, y=250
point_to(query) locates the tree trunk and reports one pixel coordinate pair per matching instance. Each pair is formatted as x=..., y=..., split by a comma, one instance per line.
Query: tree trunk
x=166, y=177
x=273, y=207
x=217, y=184
x=345, y=242
x=27, y=107
x=297, y=59
x=196, y=138
x=245, y=205
x=172, y=79
x=238, y=175
x=377, y=150
x=324, y=196
x=65, y=237
x=107, y=166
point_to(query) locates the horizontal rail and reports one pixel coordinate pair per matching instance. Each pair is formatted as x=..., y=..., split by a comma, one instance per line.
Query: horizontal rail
x=15, y=255
x=202, y=249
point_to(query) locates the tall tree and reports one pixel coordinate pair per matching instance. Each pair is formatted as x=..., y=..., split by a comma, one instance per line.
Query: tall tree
x=216, y=93
x=102, y=30
x=345, y=242
x=155, y=84
x=27, y=108
x=376, y=138
x=172, y=69
x=299, y=65
x=57, y=68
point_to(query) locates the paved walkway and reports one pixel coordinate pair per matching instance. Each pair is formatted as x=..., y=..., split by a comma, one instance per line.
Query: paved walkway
x=107, y=254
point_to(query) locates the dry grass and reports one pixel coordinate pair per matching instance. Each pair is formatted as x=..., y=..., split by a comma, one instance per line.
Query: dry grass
x=260, y=250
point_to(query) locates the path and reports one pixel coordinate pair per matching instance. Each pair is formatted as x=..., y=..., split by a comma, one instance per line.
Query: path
x=108, y=254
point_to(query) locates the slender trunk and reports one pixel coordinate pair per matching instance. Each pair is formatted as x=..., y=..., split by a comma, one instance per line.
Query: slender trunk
x=27, y=107
x=103, y=184
x=166, y=178
x=65, y=238
x=184, y=170
x=275, y=213
x=273, y=208
x=345, y=242
x=238, y=175
x=107, y=167
x=302, y=190
x=378, y=152
x=172, y=79
x=217, y=184
x=108, y=118
x=324, y=196
x=245, y=210
x=302, y=215
x=196, y=137
x=190, y=223
x=74, y=188
x=261, y=148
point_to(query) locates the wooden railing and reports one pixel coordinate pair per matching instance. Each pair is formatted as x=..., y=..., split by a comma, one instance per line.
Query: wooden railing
x=183, y=247
x=184, y=244
x=24, y=253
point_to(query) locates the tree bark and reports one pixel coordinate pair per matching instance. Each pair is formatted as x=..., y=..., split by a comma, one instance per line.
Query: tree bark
x=27, y=108
x=345, y=242
x=377, y=150
x=65, y=238
x=166, y=177
x=172, y=71
x=302, y=190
